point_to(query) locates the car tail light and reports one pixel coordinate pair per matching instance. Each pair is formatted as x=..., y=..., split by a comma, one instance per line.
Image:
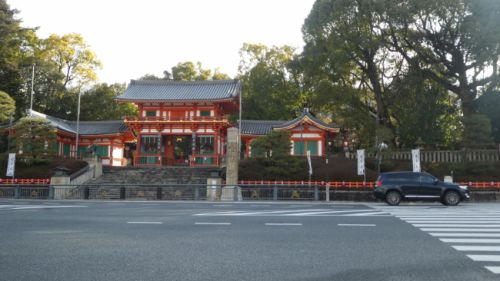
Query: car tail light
x=378, y=184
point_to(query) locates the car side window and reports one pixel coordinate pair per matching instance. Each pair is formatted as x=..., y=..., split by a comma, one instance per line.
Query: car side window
x=427, y=179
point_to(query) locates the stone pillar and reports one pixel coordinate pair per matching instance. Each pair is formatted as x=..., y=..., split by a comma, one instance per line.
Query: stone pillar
x=96, y=164
x=59, y=188
x=231, y=191
x=213, y=188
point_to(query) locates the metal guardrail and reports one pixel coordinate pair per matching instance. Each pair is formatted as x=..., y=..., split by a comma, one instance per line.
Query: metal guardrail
x=273, y=191
x=299, y=192
x=25, y=191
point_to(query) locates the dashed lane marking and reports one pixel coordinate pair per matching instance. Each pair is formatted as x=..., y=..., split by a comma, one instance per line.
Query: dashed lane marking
x=356, y=224
x=282, y=224
x=212, y=223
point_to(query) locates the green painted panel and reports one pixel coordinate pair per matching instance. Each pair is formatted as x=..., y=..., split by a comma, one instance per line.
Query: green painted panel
x=102, y=150
x=150, y=113
x=298, y=148
x=66, y=149
x=313, y=147
x=54, y=148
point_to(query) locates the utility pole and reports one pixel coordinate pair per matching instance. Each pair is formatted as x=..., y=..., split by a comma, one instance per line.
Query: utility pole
x=32, y=90
x=78, y=124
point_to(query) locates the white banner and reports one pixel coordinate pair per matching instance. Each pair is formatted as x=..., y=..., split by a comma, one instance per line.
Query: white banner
x=415, y=155
x=360, y=154
x=309, y=161
x=11, y=164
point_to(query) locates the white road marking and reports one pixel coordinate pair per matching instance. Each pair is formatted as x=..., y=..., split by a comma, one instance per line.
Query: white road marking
x=145, y=222
x=324, y=212
x=367, y=214
x=222, y=205
x=282, y=224
x=445, y=234
x=484, y=257
x=450, y=218
x=494, y=269
x=450, y=222
x=456, y=225
x=260, y=213
x=466, y=240
x=45, y=207
x=212, y=223
x=356, y=224
x=477, y=248
x=462, y=229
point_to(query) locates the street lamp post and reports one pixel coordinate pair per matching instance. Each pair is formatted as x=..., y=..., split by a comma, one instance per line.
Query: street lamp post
x=32, y=90
x=78, y=124
x=381, y=146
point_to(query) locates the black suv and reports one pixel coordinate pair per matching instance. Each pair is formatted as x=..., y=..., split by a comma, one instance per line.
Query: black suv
x=396, y=186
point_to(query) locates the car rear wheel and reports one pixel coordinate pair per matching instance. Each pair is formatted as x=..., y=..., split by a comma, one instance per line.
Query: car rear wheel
x=451, y=198
x=393, y=198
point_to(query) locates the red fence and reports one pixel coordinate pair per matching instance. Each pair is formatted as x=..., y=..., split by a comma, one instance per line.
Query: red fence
x=24, y=181
x=357, y=184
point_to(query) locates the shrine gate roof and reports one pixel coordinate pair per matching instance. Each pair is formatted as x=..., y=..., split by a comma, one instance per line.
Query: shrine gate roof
x=263, y=127
x=166, y=90
x=86, y=127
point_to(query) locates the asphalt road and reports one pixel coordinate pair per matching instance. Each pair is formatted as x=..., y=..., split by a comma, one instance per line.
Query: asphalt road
x=103, y=240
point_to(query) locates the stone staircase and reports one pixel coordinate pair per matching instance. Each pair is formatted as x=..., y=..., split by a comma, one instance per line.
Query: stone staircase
x=161, y=175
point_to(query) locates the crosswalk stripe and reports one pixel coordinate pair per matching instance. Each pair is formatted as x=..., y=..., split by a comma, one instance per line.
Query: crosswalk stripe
x=324, y=212
x=450, y=222
x=456, y=225
x=467, y=240
x=478, y=248
x=301, y=212
x=445, y=234
x=451, y=218
x=462, y=229
x=490, y=258
x=366, y=214
x=494, y=269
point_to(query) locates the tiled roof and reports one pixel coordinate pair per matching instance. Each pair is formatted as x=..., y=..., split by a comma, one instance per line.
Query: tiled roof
x=258, y=127
x=304, y=116
x=86, y=127
x=166, y=90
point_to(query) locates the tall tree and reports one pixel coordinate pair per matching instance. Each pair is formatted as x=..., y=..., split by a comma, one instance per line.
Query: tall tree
x=188, y=71
x=343, y=46
x=65, y=65
x=488, y=104
x=11, y=41
x=7, y=107
x=453, y=42
x=98, y=103
x=271, y=87
x=73, y=58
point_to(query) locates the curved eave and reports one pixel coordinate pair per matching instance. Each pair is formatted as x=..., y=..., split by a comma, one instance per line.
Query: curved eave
x=107, y=135
x=176, y=101
x=251, y=135
x=308, y=120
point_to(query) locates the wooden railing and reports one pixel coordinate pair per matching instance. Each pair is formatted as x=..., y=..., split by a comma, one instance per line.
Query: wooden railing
x=439, y=156
x=24, y=181
x=175, y=119
x=203, y=160
x=353, y=184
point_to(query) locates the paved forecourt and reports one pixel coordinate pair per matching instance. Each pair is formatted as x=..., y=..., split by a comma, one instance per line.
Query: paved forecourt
x=119, y=240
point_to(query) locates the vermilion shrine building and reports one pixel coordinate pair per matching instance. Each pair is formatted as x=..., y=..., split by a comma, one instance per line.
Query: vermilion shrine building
x=183, y=123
